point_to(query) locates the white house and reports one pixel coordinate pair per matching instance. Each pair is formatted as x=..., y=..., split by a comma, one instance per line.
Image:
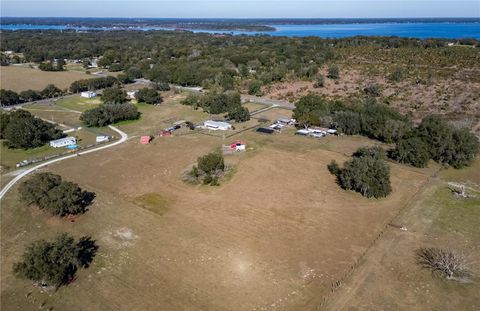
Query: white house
x=88, y=94
x=217, y=125
x=102, y=138
x=63, y=142
x=131, y=94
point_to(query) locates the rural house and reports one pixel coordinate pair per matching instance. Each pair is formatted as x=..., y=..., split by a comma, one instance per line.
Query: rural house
x=63, y=142
x=217, y=125
x=88, y=94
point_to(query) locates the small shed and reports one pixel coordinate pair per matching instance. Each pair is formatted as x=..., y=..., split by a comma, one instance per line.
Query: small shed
x=145, y=140
x=102, y=138
x=88, y=94
x=238, y=145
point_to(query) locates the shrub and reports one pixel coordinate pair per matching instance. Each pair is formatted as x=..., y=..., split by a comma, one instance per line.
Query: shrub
x=397, y=75
x=319, y=82
x=58, y=197
x=333, y=72
x=55, y=263
x=255, y=87
x=373, y=90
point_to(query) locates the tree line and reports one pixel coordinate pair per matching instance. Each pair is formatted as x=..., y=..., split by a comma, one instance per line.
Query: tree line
x=21, y=129
x=220, y=102
x=433, y=138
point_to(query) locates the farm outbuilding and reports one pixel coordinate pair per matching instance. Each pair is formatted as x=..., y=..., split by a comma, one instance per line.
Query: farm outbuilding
x=63, y=142
x=88, y=94
x=102, y=138
x=145, y=140
x=238, y=145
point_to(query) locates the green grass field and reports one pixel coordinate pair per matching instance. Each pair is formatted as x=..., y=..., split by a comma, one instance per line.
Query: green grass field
x=79, y=103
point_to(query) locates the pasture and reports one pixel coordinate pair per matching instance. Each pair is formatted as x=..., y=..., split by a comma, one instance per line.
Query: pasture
x=19, y=78
x=389, y=278
x=273, y=237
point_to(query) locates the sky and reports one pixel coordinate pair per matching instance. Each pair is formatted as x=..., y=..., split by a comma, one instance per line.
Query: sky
x=241, y=8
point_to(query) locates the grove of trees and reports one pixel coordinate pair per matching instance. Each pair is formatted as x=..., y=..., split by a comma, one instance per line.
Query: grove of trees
x=366, y=173
x=49, y=192
x=55, y=263
x=434, y=138
x=21, y=129
x=217, y=103
x=106, y=114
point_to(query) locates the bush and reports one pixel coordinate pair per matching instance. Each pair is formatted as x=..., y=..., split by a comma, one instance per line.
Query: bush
x=373, y=90
x=366, y=173
x=255, y=87
x=397, y=75
x=51, y=91
x=319, y=81
x=109, y=113
x=58, y=197
x=333, y=72
x=55, y=263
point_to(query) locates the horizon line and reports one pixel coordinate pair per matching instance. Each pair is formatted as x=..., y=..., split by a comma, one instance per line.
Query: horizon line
x=254, y=18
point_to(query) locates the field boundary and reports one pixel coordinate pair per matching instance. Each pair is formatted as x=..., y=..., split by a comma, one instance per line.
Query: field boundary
x=358, y=261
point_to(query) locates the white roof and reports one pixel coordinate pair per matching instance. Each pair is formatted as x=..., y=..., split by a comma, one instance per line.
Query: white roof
x=303, y=131
x=211, y=123
x=62, y=140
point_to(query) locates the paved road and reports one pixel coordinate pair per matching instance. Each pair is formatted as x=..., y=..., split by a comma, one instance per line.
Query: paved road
x=269, y=101
x=7, y=187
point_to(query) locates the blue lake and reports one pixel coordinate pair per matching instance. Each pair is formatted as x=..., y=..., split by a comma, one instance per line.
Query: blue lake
x=418, y=30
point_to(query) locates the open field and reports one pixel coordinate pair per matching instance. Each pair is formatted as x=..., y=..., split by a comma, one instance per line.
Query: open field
x=275, y=236
x=78, y=103
x=19, y=79
x=389, y=279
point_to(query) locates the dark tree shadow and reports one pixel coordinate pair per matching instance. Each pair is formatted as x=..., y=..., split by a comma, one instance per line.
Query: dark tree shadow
x=87, y=249
x=87, y=198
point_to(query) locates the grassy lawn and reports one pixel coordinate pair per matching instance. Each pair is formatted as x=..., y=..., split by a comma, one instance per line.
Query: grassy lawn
x=456, y=215
x=10, y=157
x=79, y=103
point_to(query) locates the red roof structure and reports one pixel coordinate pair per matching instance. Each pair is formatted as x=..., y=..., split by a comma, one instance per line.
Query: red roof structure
x=145, y=140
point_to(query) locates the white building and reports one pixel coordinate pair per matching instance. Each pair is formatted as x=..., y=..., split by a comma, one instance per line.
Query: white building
x=131, y=94
x=63, y=142
x=102, y=138
x=217, y=125
x=88, y=94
